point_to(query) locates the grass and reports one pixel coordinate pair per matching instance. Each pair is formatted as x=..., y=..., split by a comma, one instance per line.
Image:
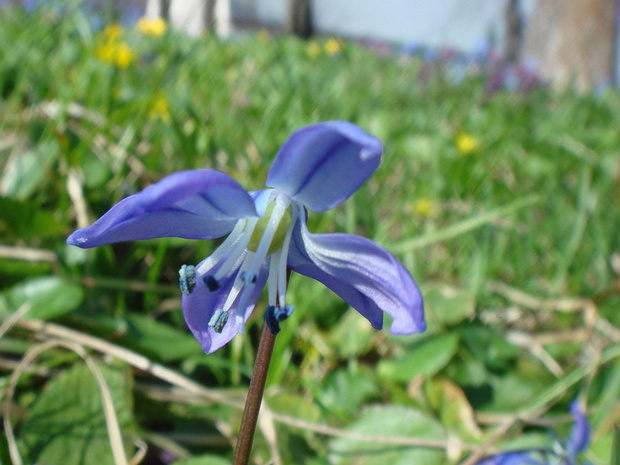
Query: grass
x=531, y=208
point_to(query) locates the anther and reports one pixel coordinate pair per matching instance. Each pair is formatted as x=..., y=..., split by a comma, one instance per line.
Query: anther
x=218, y=320
x=274, y=315
x=211, y=283
x=248, y=277
x=187, y=279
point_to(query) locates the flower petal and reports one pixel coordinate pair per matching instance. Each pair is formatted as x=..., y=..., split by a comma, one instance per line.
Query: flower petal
x=580, y=435
x=198, y=204
x=201, y=304
x=323, y=164
x=513, y=458
x=364, y=274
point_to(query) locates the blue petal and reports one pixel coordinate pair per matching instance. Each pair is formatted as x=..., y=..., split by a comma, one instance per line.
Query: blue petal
x=198, y=204
x=323, y=164
x=580, y=435
x=200, y=305
x=365, y=275
x=512, y=458
x=261, y=200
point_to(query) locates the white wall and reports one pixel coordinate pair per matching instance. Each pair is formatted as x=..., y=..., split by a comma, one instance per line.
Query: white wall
x=457, y=23
x=462, y=24
x=435, y=23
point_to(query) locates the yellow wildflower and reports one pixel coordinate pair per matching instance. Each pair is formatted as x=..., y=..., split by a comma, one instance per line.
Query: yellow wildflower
x=314, y=49
x=105, y=52
x=118, y=53
x=113, y=32
x=124, y=55
x=425, y=208
x=333, y=46
x=154, y=27
x=466, y=143
x=160, y=109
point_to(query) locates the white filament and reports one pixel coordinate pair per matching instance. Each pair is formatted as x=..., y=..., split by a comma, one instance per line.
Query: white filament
x=224, y=247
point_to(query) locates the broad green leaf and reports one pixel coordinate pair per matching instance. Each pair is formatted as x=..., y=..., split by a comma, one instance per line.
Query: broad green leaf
x=296, y=405
x=425, y=359
x=24, y=220
x=452, y=408
x=26, y=172
x=66, y=423
x=157, y=339
x=50, y=297
x=488, y=345
x=601, y=450
x=352, y=335
x=513, y=391
x=96, y=171
x=344, y=392
x=388, y=421
x=449, y=305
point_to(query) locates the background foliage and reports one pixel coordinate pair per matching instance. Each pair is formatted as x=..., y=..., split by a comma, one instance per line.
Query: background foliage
x=503, y=206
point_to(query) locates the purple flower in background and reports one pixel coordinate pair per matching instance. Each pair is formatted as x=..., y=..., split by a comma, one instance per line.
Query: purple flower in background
x=566, y=454
x=316, y=169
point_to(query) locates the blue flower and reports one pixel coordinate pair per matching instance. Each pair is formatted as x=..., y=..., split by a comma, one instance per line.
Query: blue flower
x=317, y=168
x=565, y=454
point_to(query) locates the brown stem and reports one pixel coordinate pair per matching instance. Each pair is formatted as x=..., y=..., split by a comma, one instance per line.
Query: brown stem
x=255, y=396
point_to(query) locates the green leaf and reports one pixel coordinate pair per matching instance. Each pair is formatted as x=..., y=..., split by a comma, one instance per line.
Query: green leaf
x=488, y=345
x=426, y=359
x=50, y=297
x=352, y=335
x=66, y=424
x=295, y=405
x=344, y=392
x=23, y=176
x=388, y=421
x=448, y=305
x=452, y=408
x=25, y=220
x=157, y=339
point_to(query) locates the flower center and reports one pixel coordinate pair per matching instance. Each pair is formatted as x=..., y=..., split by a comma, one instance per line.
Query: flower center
x=278, y=236
x=254, y=246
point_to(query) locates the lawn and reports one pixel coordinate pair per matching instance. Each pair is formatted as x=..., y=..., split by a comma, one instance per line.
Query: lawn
x=503, y=206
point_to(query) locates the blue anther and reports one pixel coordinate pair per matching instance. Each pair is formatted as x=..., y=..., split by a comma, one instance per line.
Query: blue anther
x=248, y=277
x=218, y=320
x=211, y=283
x=274, y=315
x=187, y=279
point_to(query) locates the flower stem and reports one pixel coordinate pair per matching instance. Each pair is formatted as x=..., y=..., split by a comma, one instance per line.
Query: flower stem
x=255, y=396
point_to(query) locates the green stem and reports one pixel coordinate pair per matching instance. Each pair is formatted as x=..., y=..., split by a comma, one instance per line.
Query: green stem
x=255, y=396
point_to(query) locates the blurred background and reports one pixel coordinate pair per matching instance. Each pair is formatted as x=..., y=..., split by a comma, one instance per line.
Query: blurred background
x=498, y=190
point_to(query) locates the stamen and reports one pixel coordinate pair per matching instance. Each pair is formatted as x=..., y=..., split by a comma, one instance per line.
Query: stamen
x=238, y=283
x=273, y=278
x=218, y=320
x=242, y=306
x=187, y=279
x=274, y=315
x=240, y=247
x=283, y=261
x=248, y=277
x=229, y=242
